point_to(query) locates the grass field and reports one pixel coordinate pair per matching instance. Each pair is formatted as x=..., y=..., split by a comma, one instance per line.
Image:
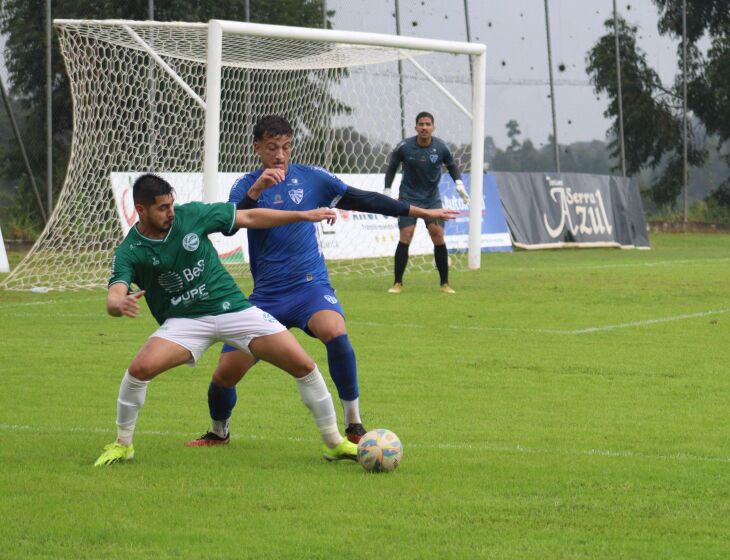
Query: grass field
x=563, y=404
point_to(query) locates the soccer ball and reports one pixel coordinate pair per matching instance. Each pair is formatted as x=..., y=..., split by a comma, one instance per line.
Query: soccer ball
x=379, y=451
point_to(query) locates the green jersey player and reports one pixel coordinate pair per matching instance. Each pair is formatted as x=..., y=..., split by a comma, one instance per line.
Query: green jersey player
x=196, y=302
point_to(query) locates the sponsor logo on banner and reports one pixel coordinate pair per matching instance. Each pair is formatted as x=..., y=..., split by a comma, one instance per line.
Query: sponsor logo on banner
x=296, y=195
x=191, y=242
x=354, y=235
x=587, y=207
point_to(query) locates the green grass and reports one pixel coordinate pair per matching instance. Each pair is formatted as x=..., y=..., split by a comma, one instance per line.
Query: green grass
x=527, y=435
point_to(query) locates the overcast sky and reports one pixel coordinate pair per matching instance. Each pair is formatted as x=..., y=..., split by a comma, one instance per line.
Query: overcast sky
x=517, y=72
x=514, y=32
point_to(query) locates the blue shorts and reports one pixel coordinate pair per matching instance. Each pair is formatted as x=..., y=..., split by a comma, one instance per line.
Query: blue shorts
x=294, y=309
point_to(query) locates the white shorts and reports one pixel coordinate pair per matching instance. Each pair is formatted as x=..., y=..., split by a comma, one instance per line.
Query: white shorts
x=237, y=329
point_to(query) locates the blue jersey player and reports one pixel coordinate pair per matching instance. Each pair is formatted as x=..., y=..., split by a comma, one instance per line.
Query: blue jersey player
x=422, y=157
x=289, y=272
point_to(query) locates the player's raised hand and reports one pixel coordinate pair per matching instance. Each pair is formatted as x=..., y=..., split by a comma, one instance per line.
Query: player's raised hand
x=269, y=178
x=129, y=306
x=461, y=191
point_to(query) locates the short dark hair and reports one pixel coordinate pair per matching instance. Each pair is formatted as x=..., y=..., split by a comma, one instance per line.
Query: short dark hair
x=425, y=114
x=148, y=187
x=271, y=125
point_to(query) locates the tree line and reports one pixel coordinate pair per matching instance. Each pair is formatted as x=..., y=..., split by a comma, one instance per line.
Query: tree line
x=652, y=110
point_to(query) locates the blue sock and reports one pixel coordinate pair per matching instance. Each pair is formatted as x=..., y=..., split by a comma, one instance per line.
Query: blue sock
x=343, y=367
x=221, y=401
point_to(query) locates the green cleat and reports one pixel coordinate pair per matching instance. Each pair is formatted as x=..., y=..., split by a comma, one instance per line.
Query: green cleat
x=343, y=450
x=115, y=453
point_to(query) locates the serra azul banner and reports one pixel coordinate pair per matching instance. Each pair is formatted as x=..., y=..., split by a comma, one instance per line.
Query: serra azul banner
x=572, y=210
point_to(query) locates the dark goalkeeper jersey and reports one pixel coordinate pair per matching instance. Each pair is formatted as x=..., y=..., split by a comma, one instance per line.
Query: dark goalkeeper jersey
x=422, y=168
x=181, y=273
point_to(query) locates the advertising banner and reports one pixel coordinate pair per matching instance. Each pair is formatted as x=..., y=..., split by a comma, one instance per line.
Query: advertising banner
x=572, y=210
x=355, y=234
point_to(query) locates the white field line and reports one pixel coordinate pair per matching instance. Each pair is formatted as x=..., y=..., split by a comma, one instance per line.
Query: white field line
x=519, y=449
x=453, y=327
x=538, y=268
x=102, y=301
x=648, y=322
x=585, y=330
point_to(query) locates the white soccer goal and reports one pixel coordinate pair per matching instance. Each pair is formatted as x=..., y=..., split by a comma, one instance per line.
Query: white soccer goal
x=181, y=99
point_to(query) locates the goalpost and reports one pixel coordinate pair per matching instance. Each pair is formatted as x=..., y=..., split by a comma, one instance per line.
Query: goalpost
x=180, y=99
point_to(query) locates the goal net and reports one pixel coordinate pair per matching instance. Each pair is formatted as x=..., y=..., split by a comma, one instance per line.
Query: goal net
x=179, y=100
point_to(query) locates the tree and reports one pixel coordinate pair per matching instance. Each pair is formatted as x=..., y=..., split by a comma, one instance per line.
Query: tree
x=652, y=112
x=709, y=74
x=513, y=131
x=23, y=23
x=490, y=150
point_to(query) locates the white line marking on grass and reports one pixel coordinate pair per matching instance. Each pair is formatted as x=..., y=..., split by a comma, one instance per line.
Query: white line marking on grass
x=585, y=330
x=454, y=327
x=577, y=266
x=46, y=302
x=520, y=449
x=647, y=322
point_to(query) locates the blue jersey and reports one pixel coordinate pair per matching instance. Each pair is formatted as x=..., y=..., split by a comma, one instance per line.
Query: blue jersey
x=287, y=256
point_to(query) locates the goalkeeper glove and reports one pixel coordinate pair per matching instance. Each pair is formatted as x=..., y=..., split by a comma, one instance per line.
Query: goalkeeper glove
x=462, y=191
x=387, y=191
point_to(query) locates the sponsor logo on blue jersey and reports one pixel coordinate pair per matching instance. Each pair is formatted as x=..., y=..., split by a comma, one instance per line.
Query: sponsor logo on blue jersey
x=278, y=200
x=331, y=299
x=434, y=158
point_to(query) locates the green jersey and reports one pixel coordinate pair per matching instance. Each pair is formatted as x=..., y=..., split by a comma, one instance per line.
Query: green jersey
x=182, y=274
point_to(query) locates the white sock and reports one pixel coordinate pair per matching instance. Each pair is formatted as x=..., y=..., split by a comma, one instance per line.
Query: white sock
x=352, y=411
x=132, y=393
x=220, y=427
x=316, y=397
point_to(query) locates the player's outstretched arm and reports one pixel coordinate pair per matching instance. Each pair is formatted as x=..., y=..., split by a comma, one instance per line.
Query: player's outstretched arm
x=264, y=218
x=433, y=213
x=121, y=303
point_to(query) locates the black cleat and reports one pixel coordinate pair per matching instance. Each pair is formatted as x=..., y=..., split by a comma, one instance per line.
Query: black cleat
x=209, y=438
x=354, y=432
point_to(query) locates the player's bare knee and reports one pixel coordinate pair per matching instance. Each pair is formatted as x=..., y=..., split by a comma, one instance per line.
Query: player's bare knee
x=141, y=370
x=328, y=335
x=228, y=375
x=303, y=367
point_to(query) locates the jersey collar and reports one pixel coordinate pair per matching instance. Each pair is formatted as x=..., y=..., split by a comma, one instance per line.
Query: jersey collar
x=151, y=240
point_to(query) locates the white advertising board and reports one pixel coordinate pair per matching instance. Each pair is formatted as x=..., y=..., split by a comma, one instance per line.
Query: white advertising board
x=354, y=235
